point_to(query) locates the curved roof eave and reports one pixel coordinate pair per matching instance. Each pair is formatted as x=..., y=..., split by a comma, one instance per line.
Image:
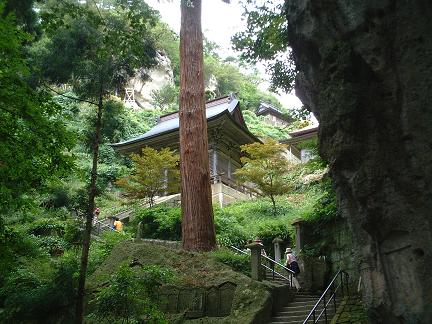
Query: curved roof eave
x=225, y=112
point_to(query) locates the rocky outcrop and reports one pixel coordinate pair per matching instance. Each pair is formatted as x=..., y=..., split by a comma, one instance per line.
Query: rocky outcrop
x=365, y=69
x=147, y=81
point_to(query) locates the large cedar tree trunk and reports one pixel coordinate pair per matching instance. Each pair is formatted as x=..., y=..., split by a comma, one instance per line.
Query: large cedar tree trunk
x=89, y=218
x=197, y=214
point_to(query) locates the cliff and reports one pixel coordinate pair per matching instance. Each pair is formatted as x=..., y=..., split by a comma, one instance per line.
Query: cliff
x=365, y=70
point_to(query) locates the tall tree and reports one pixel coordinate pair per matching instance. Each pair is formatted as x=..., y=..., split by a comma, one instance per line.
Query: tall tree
x=95, y=47
x=198, y=232
x=33, y=136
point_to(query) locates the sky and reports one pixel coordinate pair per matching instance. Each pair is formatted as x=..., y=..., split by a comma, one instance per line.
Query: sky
x=220, y=21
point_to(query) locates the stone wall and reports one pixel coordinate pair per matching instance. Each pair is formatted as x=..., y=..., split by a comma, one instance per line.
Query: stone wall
x=327, y=246
x=350, y=311
x=365, y=70
x=224, y=195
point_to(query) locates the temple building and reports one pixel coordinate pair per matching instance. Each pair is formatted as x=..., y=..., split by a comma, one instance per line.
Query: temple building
x=298, y=150
x=273, y=116
x=227, y=131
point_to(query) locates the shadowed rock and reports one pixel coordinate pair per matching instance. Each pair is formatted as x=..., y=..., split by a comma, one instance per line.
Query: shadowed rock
x=366, y=72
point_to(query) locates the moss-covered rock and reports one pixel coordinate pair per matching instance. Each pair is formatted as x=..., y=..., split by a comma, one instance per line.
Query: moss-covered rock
x=197, y=275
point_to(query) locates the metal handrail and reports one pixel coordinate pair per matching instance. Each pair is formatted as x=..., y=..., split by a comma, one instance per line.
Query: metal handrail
x=290, y=272
x=343, y=275
x=99, y=226
x=279, y=264
x=238, y=250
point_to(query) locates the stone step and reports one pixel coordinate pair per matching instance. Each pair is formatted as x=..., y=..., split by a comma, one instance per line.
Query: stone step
x=301, y=299
x=298, y=318
x=298, y=321
x=308, y=296
x=302, y=303
x=294, y=312
x=302, y=309
x=305, y=312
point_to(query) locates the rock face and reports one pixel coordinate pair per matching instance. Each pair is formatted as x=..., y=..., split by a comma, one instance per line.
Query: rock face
x=155, y=78
x=366, y=72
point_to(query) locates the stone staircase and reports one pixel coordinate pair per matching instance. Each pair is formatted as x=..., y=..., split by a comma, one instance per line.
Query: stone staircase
x=296, y=311
x=276, y=278
x=124, y=216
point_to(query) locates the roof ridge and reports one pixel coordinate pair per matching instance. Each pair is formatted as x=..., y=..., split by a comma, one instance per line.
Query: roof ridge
x=208, y=104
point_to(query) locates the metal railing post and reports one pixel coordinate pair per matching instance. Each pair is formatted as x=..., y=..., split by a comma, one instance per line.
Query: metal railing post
x=325, y=309
x=346, y=284
x=332, y=288
x=342, y=284
x=334, y=296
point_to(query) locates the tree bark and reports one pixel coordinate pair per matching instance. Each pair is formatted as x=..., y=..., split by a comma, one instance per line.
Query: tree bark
x=198, y=231
x=89, y=218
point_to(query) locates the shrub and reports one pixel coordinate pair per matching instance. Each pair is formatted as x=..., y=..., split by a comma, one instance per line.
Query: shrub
x=45, y=227
x=99, y=250
x=73, y=232
x=127, y=298
x=228, y=230
x=267, y=230
x=159, y=222
x=40, y=291
x=15, y=245
x=238, y=262
x=54, y=245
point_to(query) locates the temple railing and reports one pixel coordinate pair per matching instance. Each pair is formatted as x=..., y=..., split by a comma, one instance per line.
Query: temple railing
x=219, y=178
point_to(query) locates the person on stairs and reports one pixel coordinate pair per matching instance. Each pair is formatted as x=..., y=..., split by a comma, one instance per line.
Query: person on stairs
x=118, y=225
x=291, y=263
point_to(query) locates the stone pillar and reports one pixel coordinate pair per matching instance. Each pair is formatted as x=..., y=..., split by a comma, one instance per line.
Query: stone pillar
x=298, y=227
x=256, y=272
x=277, y=248
x=215, y=165
x=139, y=234
x=166, y=182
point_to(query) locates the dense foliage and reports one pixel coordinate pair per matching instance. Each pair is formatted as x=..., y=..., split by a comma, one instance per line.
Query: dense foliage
x=34, y=138
x=266, y=166
x=266, y=39
x=154, y=172
x=57, y=62
x=131, y=296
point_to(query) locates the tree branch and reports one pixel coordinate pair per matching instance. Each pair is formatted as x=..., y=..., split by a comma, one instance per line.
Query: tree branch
x=69, y=97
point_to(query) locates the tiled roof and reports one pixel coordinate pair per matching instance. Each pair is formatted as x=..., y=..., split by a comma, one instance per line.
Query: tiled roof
x=170, y=122
x=305, y=130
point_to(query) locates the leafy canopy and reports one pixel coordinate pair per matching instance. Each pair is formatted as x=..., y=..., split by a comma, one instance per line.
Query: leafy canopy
x=33, y=138
x=266, y=39
x=266, y=165
x=96, y=47
x=153, y=173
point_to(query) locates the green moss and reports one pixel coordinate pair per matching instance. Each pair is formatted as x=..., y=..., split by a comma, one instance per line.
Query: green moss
x=191, y=270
